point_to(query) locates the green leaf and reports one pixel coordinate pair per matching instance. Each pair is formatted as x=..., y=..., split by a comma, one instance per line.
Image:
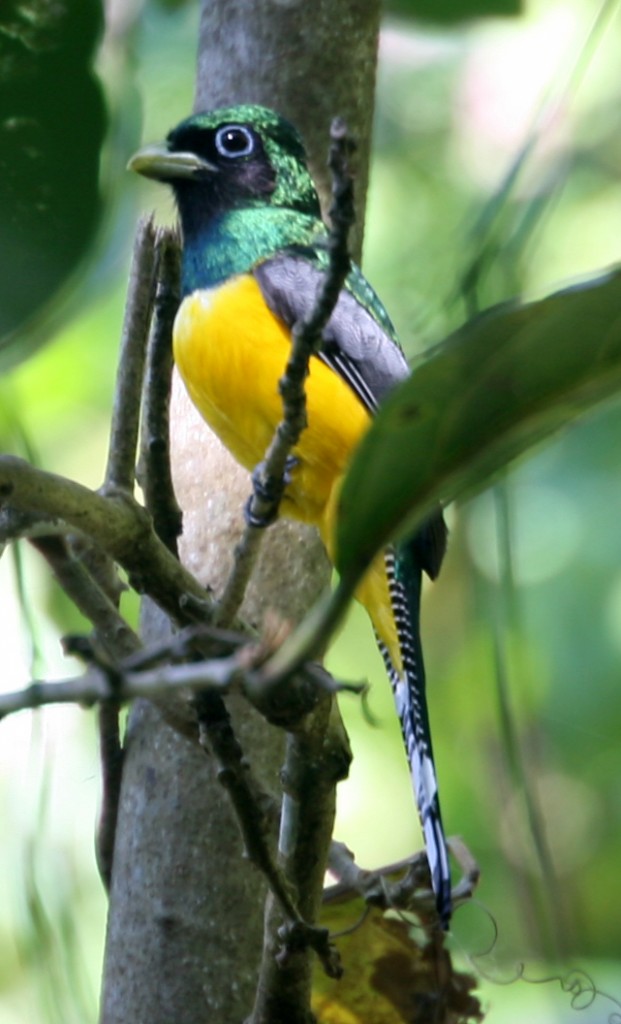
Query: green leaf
x=52, y=124
x=500, y=384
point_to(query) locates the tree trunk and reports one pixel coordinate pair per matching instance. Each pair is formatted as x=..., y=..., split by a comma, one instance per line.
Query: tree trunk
x=186, y=911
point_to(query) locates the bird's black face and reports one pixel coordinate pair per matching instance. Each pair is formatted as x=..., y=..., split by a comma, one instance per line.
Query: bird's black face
x=233, y=166
x=232, y=158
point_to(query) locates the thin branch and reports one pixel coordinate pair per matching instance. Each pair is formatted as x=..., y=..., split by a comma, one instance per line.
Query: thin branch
x=402, y=886
x=115, y=522
x=154, y=470
x=116, y=636
x=120, y=470
x=90, y=579
x=100, y=567
x=270, y=477
x=405, y=885
x=317, y=758
x=216, y=735
x=98, y=685
x=184, y=646
x=117, y=639
x=163, y=671
x=120, y=477
x=254, y=818
x=112, y=758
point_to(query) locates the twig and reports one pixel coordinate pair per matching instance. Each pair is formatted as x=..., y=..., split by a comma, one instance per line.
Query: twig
x=156, y=672
x=90, y=580
x=306, y=340
x=253, y=817
x=99, y=565
x=98, y=685
x=120, y=469
x=117, y=639
x=351, y=877
x=154, y=468
x=317, y=757
x=116, y=523
x=411, y=888
x=381, y=888
x=112, y=758
x=119, y=477
x=216, y=735
x=184, y=645
x=114, y=633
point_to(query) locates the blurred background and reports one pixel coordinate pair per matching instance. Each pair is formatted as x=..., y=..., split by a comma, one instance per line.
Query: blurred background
x=495, y=171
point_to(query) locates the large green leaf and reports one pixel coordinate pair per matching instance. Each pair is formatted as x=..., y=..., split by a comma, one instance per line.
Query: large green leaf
x=497, y=386
x=52, y=125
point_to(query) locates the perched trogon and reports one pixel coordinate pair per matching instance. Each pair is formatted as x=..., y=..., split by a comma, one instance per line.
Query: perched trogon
x=254, y=255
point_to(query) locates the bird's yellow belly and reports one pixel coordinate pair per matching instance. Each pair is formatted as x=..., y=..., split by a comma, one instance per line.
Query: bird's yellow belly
x=231, y=351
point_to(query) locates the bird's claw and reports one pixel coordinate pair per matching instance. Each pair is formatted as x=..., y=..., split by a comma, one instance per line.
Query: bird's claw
x=268, y=491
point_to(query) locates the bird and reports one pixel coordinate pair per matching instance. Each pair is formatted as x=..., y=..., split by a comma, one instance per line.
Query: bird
x=254, y=254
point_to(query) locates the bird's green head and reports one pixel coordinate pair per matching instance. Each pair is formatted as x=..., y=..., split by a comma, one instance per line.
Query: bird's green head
x=242, y=187
x=232, y=158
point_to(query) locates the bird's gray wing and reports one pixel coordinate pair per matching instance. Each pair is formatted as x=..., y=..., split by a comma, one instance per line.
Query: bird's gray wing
x=356, y=345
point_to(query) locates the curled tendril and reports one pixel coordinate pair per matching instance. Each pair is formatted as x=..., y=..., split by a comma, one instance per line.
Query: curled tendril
x=582, y=989
x=575, y=982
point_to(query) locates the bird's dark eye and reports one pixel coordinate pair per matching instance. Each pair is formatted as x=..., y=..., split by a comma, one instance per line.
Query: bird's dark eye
x=234, y=140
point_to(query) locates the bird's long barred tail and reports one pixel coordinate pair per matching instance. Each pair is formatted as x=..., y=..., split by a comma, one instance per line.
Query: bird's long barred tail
x=410, y=699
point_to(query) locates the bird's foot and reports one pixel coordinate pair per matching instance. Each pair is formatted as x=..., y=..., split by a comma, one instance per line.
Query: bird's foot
x=267, y=492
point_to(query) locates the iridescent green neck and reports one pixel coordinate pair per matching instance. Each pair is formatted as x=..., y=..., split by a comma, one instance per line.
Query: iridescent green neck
x=231, y=243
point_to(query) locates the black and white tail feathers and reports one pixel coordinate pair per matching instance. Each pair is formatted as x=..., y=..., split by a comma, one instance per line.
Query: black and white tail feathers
x=404, y=566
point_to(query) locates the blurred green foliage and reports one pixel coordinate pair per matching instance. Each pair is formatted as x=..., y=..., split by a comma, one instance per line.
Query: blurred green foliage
x=52, y=125
x=446, y=12
x=531, y=591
